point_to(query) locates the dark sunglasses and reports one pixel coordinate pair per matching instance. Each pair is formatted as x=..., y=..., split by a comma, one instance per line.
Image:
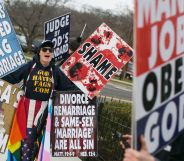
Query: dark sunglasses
x=49, y=49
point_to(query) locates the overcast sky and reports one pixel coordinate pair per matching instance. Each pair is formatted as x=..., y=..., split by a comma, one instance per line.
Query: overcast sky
x=114, y=5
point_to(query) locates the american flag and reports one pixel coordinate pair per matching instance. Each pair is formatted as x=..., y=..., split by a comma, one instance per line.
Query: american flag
x=44, y=152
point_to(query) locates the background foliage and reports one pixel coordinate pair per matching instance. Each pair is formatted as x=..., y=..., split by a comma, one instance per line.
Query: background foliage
x=29, y=16
x=114, y=120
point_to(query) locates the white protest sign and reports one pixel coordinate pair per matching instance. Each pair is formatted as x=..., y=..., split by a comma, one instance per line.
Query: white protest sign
x=159, y=72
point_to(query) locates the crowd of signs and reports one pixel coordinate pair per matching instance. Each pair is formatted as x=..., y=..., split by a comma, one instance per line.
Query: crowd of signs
x=158, y=82
x=90, y=67
x=158, y=88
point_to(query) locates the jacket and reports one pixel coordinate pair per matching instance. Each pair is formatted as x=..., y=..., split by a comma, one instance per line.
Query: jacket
x=177, y=150
x=40, y=85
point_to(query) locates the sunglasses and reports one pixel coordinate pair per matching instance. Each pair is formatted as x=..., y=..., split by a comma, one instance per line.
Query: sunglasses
x=49, y=49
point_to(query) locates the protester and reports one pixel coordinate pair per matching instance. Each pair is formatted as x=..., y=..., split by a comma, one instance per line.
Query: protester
x=40, y=78
x=174, y=153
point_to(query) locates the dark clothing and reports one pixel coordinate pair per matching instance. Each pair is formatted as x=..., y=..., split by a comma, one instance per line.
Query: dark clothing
x=177, y=150
x=39, y=84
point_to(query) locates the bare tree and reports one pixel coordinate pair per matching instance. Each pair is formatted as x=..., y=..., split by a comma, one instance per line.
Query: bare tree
x=121, y=24
x=29, y=16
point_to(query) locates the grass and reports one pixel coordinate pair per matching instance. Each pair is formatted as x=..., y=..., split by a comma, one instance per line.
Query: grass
x=124, y=79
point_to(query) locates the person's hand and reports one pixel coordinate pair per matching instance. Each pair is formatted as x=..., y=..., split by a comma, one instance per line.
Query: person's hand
x=142, y=155
x=128, y=138
x=126, y=141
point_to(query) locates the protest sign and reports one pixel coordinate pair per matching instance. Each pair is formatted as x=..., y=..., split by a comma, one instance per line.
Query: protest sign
x=74, y=125
x=11, y=55
x=159, y=72
x=96, y=61
x=9, y=96
x=57, y=30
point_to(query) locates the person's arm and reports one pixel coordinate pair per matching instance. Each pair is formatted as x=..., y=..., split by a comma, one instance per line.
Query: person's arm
x=62, y=82
x=18, y=75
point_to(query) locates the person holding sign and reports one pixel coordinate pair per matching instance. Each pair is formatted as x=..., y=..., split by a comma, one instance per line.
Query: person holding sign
x=173, y=154
x=142, y=155
x=40, y=78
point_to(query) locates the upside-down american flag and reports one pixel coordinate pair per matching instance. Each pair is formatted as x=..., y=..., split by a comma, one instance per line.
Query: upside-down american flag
x=26, y=115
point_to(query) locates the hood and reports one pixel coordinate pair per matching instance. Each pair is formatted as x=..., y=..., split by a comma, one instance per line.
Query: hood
x=36, y=59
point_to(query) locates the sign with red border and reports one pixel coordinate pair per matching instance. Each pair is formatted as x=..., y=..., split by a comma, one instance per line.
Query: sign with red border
x=96, y=61
x=159, y=64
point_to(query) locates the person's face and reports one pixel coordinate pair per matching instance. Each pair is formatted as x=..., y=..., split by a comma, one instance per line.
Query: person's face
x=46, y=55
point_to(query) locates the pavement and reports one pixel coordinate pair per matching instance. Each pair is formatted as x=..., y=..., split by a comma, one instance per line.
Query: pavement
x=121, y=82
x=124, y=85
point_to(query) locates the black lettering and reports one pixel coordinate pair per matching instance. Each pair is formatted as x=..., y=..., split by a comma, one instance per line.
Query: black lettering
x=110, y=72
x=178, y=85
x=90, y=53
x=84, y=48
x=149, y=103
x=102, y=68
x=165, y=82
x=96, y=60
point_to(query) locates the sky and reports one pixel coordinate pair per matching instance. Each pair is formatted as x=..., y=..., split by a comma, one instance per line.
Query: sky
x=113, y=5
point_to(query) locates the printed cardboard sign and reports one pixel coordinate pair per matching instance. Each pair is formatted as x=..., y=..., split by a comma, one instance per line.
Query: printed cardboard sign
x=57, y=30
x=159, y=64
x=9, y=96
x=11, y=55
x=74, y=125
x=96, y=61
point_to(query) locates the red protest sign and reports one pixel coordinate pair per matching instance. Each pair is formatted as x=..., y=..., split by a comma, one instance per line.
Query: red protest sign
x=158, y=89
x=159, y=33
x=97, y=60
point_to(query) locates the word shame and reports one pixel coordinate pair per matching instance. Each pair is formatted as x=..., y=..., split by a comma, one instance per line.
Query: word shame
x=103, y=66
